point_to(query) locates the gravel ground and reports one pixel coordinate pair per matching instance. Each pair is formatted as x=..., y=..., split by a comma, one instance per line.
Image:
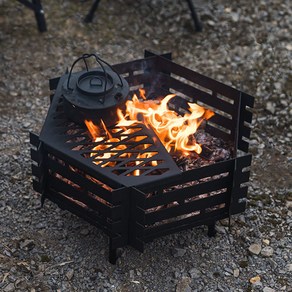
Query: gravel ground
x=245, y=44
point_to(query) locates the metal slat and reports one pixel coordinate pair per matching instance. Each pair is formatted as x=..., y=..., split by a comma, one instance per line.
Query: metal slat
x=188, y=192
x=207, y=171
x=35, y=156
x=65, y=171
x=168, y=228
x=248, y=99
x=186, y=208
x=111, y=212
x=239, y=193
x=218, y=133
x=36, y=171
x=245, y=131
x=190, y=175
x=243, y=145
x=240, y=177
x=37, y=186
x=223, y=122
x=91, y=217
x=247, y=116
x=244, y=161
x=198, y=78
x=197, y=94
x=34, y=139
x=243, y=177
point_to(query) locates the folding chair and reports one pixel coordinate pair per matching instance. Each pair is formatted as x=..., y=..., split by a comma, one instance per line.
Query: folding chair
x=197, y=23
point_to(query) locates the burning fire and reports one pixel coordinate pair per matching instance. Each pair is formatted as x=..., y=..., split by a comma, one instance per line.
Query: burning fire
x=176, y=132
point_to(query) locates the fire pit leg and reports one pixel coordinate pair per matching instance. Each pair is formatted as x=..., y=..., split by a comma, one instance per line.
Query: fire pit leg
x=212, y=230
x=113, y=255
x=43, y=197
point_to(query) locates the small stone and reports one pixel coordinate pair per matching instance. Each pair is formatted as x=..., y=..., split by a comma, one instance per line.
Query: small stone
x=289, y=204
x=267, y=251
x=278, y=86
x=236, y=273
x=257, y=285
x=243, y=264
x=211, y=22
x=234, y=16
x=266, y=241
x=255, y=279
x=70, y=274
x=228, y=271
x=84, y=231
x=177, y=274
x=255, y=249
x=184, y=285
x=178, y=252
x=195, y=273
x=27, y=244
x=13, y=93
x=270, y=107
x=26, y=124
x=273, y=264
x=132, y=273
x=289, y=267
x=268, y=289
x=9, y=287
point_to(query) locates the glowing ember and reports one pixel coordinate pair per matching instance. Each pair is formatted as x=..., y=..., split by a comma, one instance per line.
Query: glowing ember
x=176, y=132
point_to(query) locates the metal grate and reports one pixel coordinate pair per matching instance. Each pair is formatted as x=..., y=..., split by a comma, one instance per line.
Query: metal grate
x=136, y=156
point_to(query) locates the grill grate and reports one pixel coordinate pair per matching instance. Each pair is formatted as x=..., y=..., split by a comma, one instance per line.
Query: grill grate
x=136, y=155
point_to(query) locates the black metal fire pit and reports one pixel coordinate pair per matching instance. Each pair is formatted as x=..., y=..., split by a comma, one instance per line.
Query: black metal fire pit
x=164, y=198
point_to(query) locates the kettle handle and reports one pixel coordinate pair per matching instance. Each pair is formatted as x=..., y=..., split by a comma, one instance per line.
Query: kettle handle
x=100, y=62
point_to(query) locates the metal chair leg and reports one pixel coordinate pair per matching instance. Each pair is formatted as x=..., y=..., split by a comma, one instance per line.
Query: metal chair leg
x=91, y=12
x=36, y=6
x=39, y=15
x=198, y=24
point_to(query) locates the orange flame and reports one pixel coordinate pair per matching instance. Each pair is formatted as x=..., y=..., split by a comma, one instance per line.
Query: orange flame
x=98, y=136
x=176, y=132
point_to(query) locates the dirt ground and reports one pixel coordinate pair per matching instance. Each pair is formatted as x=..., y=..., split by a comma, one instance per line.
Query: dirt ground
x=245, y=44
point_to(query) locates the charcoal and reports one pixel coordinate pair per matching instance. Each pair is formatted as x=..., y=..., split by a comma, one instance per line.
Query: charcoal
x=220, y=155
